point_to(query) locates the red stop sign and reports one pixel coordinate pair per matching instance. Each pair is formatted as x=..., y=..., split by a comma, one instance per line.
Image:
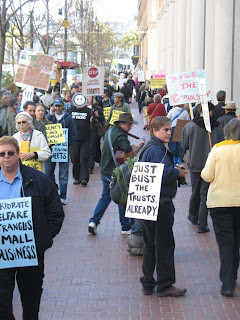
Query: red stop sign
x=93, y=72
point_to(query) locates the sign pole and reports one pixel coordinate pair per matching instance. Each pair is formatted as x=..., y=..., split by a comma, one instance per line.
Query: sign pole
x=210, y=141
x=92, y=113
x=191, y=111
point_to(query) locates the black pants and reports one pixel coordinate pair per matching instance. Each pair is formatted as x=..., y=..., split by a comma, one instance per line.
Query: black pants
x=226, y=224
x=93, y=151
x=79, y=152
x=198, y=211
x=29, y=281
x=158, y=249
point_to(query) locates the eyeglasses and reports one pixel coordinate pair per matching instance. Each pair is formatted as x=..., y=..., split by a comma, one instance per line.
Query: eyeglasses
x=23, y=122
x=9, y=153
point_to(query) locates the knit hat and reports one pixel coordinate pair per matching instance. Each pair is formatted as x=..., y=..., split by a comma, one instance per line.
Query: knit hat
x=25, y=115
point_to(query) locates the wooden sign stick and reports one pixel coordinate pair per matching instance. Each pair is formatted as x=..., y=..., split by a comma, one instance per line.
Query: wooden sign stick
x=92, y=113
x=210, y=141
x=191, y=111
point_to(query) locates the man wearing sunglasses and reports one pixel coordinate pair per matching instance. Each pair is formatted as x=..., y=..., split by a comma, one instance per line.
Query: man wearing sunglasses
x=17, y=180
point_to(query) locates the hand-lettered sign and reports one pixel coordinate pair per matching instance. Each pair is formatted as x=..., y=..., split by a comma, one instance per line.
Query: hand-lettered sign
x=60, y=151
x=106, y=112
x=115, y=116
x=33, y=163
x=55, y=133
x=184, y=88
x=156, y=83
x=17, y=242
x=144, y=191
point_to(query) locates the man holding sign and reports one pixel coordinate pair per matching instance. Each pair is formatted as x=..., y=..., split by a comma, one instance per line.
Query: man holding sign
x=158, y=236
x=118, y=105
x=19, y=187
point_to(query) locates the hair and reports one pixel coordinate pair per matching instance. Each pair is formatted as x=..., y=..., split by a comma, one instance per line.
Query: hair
x=108, y=92
x=157, y=123
x=42, y=105
x=27, y=119
x=19, y=91
x=232, y=129
x=11, y=103
x=157, y=98
x=210, y=107
x=56, y=94
x=36, y=98
x=9, y=140
x=221, y=95
x=28, y=103
x=49, y=90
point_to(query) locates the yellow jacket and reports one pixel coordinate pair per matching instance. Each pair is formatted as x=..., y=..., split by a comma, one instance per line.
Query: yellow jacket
x=222, y=170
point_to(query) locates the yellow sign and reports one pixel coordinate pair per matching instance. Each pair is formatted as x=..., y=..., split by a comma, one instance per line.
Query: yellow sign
x=115, y=116
x=65, y=23
x=106, y=112
x=33, y=163
x=157, y=83
x=55, y=133
x=24, y=146
x=148, y=115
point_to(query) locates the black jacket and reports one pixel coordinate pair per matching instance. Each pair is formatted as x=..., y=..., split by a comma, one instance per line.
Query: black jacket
x=47, y=211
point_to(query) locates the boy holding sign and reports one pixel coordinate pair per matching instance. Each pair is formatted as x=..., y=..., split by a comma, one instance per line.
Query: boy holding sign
x=158, y=235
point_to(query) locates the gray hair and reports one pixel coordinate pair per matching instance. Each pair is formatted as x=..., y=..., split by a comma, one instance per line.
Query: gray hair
x=232, y=130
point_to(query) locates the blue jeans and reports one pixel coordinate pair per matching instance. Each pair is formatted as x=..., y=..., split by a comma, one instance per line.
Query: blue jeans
x=104, y=202
x=63, y=175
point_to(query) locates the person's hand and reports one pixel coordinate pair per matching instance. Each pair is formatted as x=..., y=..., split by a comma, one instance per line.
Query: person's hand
x=96, y=113
x=26, y=156
x=52, y=111
x=91, y=119
x=181, y=172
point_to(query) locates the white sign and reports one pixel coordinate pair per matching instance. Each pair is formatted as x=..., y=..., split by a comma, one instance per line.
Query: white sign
x=60, y=151
x=92, y=84
x=144, y=191
x=121, y=82
x=141, y=77
x=17, y=242
x=204, y=102
x=79, y=77
x=27, y=96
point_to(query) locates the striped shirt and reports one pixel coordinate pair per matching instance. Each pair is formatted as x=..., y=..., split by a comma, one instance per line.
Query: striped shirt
x=10, y=190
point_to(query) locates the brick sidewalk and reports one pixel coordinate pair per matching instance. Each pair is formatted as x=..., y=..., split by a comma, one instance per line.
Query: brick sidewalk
x=94, y=277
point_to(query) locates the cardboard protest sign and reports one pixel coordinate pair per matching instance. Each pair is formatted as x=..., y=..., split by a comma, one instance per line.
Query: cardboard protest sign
x=144, y=191
x=55, y=133
x=33, y=163
x=92, y=81
x=156, y=83
x=106, y=112
x=115, y=116
x=178, y=130
x=35, y=72
x=60, y=151
x=17, y=242
x=183, y=87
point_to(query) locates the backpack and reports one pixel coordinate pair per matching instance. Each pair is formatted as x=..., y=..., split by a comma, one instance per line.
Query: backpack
x=121, y=175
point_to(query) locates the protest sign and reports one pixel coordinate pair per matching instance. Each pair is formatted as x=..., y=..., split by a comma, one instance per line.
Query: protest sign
x=141, y=76
x=157, y=83
x=60, y=151
x=27, y=96
x=17, y=244
x=178, y=130
x=35, y=70
x=183, y=87
x=121, y=82
x=79, y=77
x=92, y=81
x=115, y=116
x=55, y=133
x=33, y=163
x=144, y=191
x=106, y=112
x=204, y=102
x=147, y=115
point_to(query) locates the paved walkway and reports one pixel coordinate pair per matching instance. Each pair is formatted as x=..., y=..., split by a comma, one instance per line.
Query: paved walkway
x=93, y=277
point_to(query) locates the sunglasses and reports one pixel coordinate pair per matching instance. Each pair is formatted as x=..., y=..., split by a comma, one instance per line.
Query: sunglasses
x=9, y=153
x=23, y=122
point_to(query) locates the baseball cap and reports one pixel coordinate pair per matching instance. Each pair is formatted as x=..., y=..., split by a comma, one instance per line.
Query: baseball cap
x=58, y=102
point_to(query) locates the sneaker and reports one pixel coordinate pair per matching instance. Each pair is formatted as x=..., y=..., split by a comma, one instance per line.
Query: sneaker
x=126, y=231
x=84, y=183
x=64, y=201
x=76, y=182
x=92, y=228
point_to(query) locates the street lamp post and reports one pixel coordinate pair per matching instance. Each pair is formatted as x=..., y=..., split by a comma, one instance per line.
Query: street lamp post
x=65, y=43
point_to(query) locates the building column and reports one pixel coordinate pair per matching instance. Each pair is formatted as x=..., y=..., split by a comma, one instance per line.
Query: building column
x=188, y=36
x=163, y=39
x=160, y=42
x=181, y=36
x=197, y=34
x=170, y=38
x=223, y=46
x=175, y=36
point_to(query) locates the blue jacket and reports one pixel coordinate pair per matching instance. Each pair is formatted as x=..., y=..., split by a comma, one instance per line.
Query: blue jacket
x=156, y=153
x=67, y=122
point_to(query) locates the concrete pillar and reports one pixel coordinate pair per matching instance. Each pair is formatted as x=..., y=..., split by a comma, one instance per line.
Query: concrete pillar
x=236, y=69
x=175, y=39
x=180, y=43
x=164, y=37
x=159, y=42
x=197, y=34
x=209, y=43
x=223, y=46
x=188, y=36
x=170, y=38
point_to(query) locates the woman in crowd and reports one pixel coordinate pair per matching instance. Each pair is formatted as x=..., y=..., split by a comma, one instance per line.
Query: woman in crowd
x=41, y=114
x=11, y=115
x=175, y=147
x=156, y=108
x=222, y=170
x=36, y=139
x=67, y=97
x=158, y=236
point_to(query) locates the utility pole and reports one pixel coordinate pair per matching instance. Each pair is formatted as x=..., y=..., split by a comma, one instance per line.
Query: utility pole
x=65, y=43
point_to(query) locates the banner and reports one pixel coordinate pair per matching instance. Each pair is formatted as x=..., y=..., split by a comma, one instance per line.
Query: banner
x=17, y=244
x=144, y=191
x=157, y=83
x=183, y=87
x=34, y=70
x=106, y=112
x=55, y=133
x=92, y=81
x=33, y=163
x=60, y=151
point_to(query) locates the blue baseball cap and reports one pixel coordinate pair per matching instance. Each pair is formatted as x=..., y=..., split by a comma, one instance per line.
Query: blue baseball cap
x=58, y=102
